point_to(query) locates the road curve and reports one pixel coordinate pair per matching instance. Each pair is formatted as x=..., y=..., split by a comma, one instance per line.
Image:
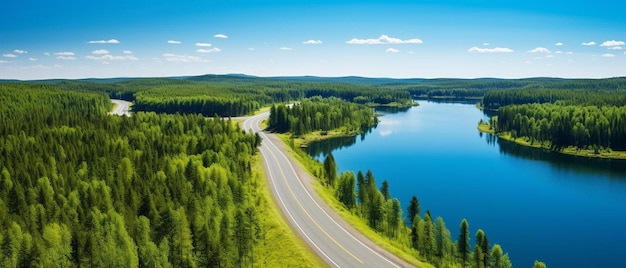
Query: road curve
x=122, y=107
x=334, y=240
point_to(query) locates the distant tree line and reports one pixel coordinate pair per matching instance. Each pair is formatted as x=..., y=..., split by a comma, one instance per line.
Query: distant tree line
x=226, y=95
x=499, y=98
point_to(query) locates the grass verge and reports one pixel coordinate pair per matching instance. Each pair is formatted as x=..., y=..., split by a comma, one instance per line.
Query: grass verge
x=401, y=250
x=281, y=246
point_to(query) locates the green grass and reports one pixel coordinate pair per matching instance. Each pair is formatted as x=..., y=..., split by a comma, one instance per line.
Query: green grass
x=281, y=246
x=306, y=139
x=486, y=128
x=401, y=250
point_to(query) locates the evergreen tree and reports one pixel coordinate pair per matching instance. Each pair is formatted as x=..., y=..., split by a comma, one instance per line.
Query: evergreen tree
x=426, y=238
x=384, y=189
x=498, y=260
x=415, y=231
x=463, y=246
x=442, y=239
x=539, y=264
x=330, y=169
x=362, y=193
x=345, y=189
x=414, y=208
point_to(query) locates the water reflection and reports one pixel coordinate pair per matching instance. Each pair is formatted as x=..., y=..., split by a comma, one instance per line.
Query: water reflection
x=590, y=166
x=323, y=148
x=391, y=110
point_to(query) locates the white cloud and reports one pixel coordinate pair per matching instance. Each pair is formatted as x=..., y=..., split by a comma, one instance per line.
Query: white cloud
x=182, y=58
x=105, y=57
x=569, y=53
x=250, y=49
x=286, y=48
x=550, y=56
x=490, y=50
x=19, y=51
x=64, y=53
x=32, y=59
x=558, y=52
x=127, y=52
x=540, y=50
x=312, y=42
x=203, y=45
x=174, y=42
x=612, y=43
x=100, y=52
x=220, y=36
x=486, y=44
x=47, y=54
x=66, y=57
x=383, y=39
x=9, y=55
x=558, y=44
x=592, y=43
x=616, y=48
x=110, y=41
x=608, y=55
x=212, y=50
x=131, y=57
x=392, y=50
x=3, y=61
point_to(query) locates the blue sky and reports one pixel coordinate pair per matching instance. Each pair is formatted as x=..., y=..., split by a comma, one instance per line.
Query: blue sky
x=466, y=38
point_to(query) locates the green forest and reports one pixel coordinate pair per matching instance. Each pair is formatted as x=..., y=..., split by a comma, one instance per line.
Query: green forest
x=321, y=114
x=174, y=184
x=228, y=95
x=585, y=119
x=81, y=188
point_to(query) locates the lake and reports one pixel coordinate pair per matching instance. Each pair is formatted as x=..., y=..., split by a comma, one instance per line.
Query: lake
x=562, y=210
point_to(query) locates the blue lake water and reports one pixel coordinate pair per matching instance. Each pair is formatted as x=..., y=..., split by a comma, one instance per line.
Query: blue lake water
x=562, y=210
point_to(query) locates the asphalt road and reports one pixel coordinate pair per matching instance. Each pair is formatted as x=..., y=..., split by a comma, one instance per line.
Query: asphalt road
x=334, y=240
x=121, y=108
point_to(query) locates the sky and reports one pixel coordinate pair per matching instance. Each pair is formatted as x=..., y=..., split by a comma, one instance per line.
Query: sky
x=393, y=38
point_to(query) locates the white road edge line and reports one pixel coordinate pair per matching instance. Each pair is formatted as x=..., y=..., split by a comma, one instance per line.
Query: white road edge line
x=269, y=169
x=318, y=205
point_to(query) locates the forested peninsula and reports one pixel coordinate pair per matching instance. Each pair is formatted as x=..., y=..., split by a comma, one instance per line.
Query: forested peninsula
x=583, y=122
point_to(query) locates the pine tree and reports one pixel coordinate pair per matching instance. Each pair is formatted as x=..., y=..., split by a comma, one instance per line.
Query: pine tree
x=362, y=193
x=539, y=264
x=442, y=238
x=414, y=208
x=330, y=169
x=384, y=189
x=464, y=242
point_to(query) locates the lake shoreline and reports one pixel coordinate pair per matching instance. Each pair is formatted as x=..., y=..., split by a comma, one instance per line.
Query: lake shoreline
x=587, y=153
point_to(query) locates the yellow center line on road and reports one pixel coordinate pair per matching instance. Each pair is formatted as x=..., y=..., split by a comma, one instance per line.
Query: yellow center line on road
x=307, y=213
